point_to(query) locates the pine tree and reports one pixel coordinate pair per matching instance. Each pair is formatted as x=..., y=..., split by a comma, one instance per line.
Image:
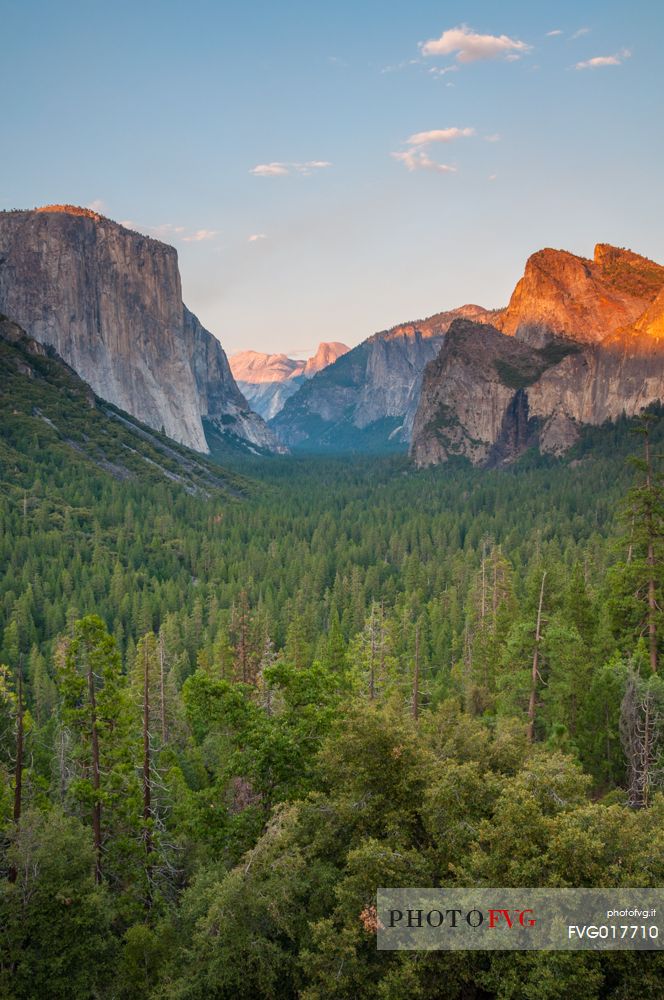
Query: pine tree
x=637, y=580
x=94, y=711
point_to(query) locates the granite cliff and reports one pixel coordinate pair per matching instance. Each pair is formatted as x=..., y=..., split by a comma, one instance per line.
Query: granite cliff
x=268, y=380
x=366, y=400
x=561, y=294
x=581, y=342
x=109, y=301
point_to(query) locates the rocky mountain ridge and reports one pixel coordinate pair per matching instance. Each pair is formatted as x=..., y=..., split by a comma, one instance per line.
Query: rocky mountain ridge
x=268, y=380
x=109, y=301
x=581, y=342
x=366, y=400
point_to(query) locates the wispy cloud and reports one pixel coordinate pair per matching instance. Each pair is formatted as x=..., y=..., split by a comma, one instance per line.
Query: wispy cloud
x=442, y=70
x=597, y=62
x=416, y=156
x=167, y=232
x=439, y=135
x=554, y=33
x=469, y=46
x=200, y=236
x=580, y=33
x=163, y=230
x=256, y=237
x=397, y=67
x=278, y=169
x=98, y=205
x=419, y=159
x=494, y=137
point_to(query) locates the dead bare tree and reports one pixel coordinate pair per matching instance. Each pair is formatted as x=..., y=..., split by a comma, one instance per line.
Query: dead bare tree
x=641, y=735
x=535, y=674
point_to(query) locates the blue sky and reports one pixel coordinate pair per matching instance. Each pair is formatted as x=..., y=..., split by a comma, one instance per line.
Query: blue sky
x=515, y=126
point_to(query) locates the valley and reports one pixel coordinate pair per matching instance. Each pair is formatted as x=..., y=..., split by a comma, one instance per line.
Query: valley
x=245, y=683
x=331, y=501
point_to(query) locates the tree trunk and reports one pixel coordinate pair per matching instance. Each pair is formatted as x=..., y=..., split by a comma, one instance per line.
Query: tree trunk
x=96, y=778
x=162, y=691
x=416, y=677
x=372, y=681
x=18, y=767
x=483, y=602
x=147, y=788
x=535, y=670
x=652, y=589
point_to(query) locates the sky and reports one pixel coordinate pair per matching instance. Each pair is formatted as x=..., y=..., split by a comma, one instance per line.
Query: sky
x=326, y=170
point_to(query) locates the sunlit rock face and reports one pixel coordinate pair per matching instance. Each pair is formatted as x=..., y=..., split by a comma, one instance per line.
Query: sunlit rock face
x=581, y=342
x=585, y=300
x=109, y=301
x=268, y=380
x=326, y=354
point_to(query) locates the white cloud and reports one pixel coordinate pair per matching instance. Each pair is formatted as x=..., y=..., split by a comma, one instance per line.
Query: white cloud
x=494, y=137
x=200, y=236
x=270, y=170
x=554, y=33
x=439, y=135
x=97, y=205
x=418, y=159
x=580, y=33
x=472, y=47
x=598, y=61
x=277, y=169
x=255, y=237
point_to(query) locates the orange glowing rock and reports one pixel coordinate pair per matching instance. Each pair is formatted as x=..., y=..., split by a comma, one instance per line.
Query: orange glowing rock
x=71, y=210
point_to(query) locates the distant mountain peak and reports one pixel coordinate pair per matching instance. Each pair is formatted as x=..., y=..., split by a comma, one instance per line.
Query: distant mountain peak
x=268, y=380
x=326, y=354
x=257, y=367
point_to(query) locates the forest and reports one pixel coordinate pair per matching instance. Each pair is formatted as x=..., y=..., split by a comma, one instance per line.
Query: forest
x=228, y=714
